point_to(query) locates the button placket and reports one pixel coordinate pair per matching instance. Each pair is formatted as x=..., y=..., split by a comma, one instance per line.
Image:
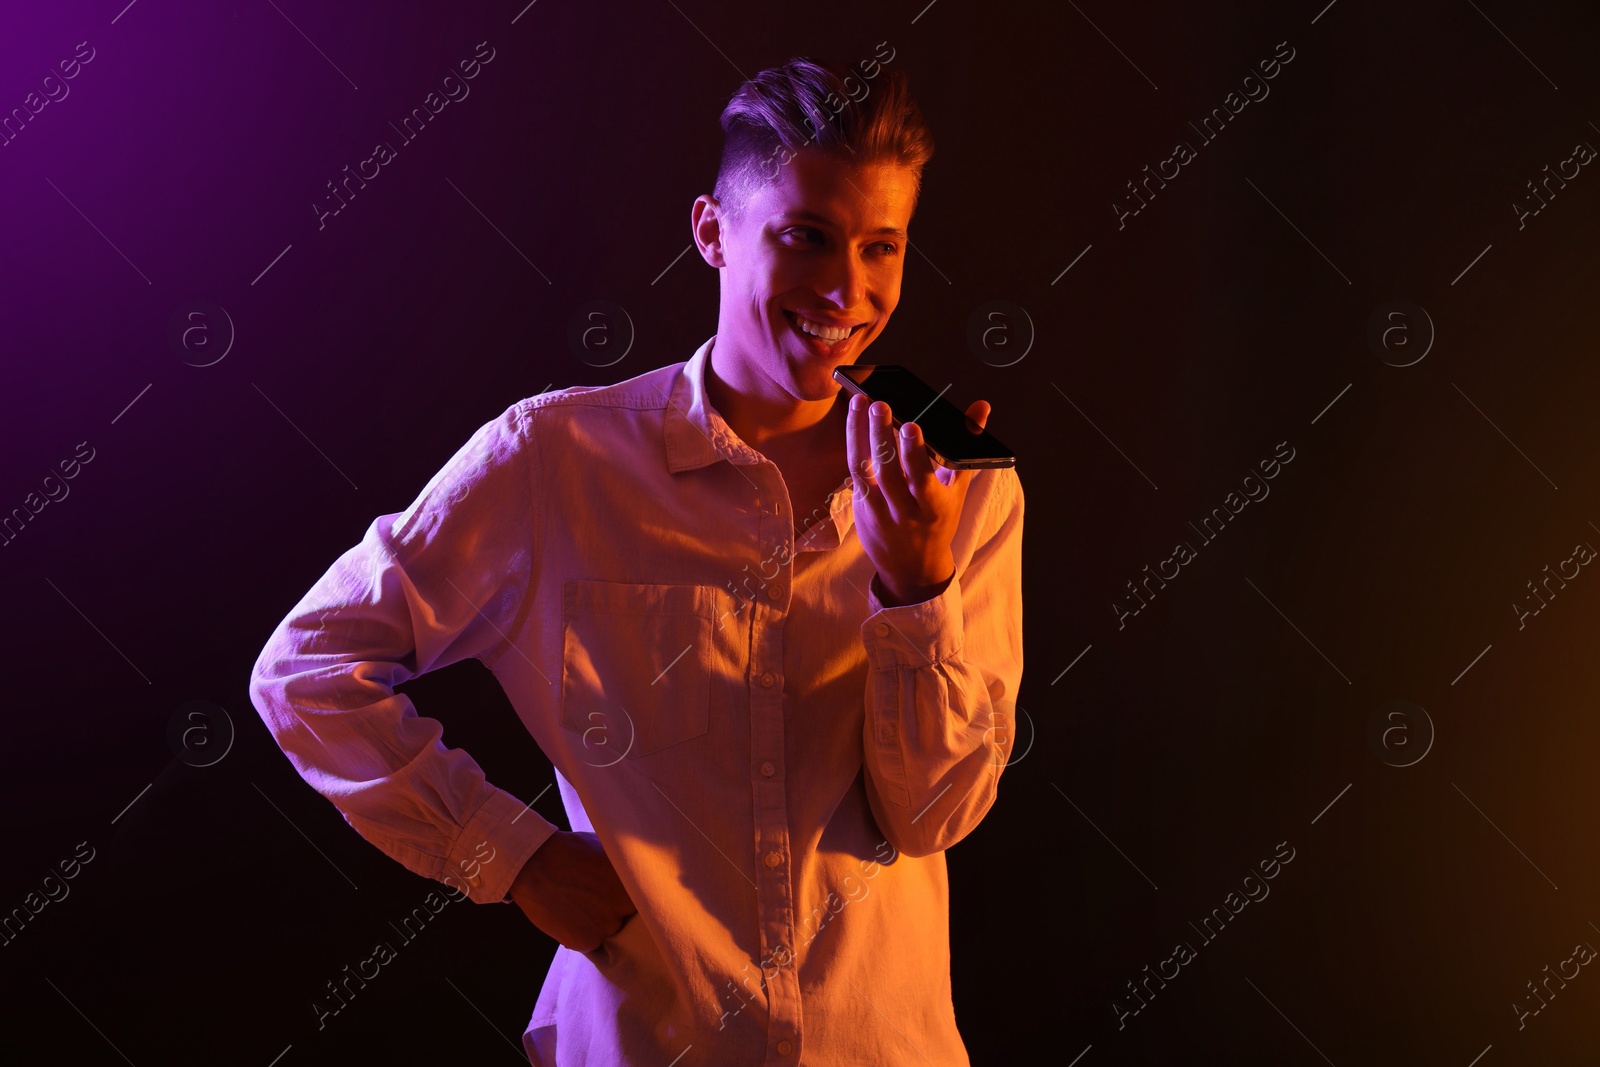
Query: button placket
x=774, y=894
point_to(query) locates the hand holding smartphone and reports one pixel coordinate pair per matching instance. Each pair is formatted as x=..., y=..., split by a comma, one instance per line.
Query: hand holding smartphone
x=952, y=439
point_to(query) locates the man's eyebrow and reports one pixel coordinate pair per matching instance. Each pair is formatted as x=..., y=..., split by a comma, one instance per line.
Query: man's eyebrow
x=812, y=216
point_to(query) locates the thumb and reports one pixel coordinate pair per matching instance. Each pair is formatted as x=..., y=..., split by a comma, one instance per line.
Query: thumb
x=978, y=412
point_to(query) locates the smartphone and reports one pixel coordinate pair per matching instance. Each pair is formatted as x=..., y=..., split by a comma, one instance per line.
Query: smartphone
x=946, y=430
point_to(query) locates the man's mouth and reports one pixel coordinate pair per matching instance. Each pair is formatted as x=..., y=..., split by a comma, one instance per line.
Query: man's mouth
x=832, y=340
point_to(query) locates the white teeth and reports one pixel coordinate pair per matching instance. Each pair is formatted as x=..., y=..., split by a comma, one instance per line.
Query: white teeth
x=826, y=333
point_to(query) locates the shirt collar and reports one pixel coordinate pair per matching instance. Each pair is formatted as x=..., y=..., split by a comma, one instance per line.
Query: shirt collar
x=696, y=435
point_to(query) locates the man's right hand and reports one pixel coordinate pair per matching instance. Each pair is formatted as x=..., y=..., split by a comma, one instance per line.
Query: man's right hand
x=569, y=889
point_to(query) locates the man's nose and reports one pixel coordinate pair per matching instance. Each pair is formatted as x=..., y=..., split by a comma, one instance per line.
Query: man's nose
x=846, y=280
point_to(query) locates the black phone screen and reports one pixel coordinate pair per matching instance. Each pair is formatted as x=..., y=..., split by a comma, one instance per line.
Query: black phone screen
x=944, y=426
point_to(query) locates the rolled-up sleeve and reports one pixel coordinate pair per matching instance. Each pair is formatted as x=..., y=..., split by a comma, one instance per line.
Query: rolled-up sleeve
x=941, y=688
x=445, y=580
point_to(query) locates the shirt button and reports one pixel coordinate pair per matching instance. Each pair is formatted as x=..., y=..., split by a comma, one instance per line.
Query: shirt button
x=882, y=629
x=775, y=592
x=784, y=1048
x=772, y=859
x=767, y=768
x=766, y=679
x=887, y=732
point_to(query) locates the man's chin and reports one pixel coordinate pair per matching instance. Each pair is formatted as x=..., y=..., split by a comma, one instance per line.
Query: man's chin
x=815, y=379
x=811, y=373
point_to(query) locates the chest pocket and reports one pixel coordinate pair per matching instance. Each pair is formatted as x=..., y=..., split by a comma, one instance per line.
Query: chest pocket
x=635, y=666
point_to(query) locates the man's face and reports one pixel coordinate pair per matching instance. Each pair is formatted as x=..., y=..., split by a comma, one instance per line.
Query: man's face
x=824, y=242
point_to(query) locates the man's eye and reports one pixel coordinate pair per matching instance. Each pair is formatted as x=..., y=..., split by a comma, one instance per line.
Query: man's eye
x=885, y=248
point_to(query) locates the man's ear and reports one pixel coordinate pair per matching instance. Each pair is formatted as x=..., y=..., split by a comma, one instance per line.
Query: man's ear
x=706, y=223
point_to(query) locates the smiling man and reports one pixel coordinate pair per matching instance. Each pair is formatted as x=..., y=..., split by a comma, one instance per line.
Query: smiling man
x=769, y=647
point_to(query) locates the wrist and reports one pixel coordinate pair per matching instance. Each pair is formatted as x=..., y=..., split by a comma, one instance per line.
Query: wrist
x=913, y=590
x=530, y=876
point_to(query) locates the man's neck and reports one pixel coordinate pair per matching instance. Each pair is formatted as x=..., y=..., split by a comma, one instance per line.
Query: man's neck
x=787, y=426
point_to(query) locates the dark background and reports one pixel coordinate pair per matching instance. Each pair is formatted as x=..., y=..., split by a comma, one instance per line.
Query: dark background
x=1232, y=714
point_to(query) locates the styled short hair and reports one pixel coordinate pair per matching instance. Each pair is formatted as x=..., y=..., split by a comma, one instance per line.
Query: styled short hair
x=817, y=104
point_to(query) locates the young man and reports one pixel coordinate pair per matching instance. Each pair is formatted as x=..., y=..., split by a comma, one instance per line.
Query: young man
x=769, y=649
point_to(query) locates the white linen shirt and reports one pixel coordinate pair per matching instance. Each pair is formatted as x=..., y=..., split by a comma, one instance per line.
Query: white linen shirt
x=773, y=760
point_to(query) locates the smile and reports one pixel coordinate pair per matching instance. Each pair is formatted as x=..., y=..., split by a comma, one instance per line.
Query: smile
x=821, y=338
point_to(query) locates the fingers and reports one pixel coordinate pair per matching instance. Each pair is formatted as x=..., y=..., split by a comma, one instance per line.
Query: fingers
x=886, y=460
x=919, y=465
x=869, y=446
x=858, y=446
x=898, y=465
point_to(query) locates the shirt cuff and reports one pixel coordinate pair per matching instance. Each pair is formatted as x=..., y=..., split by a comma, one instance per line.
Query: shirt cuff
x=913, y=635
x=491, y=849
